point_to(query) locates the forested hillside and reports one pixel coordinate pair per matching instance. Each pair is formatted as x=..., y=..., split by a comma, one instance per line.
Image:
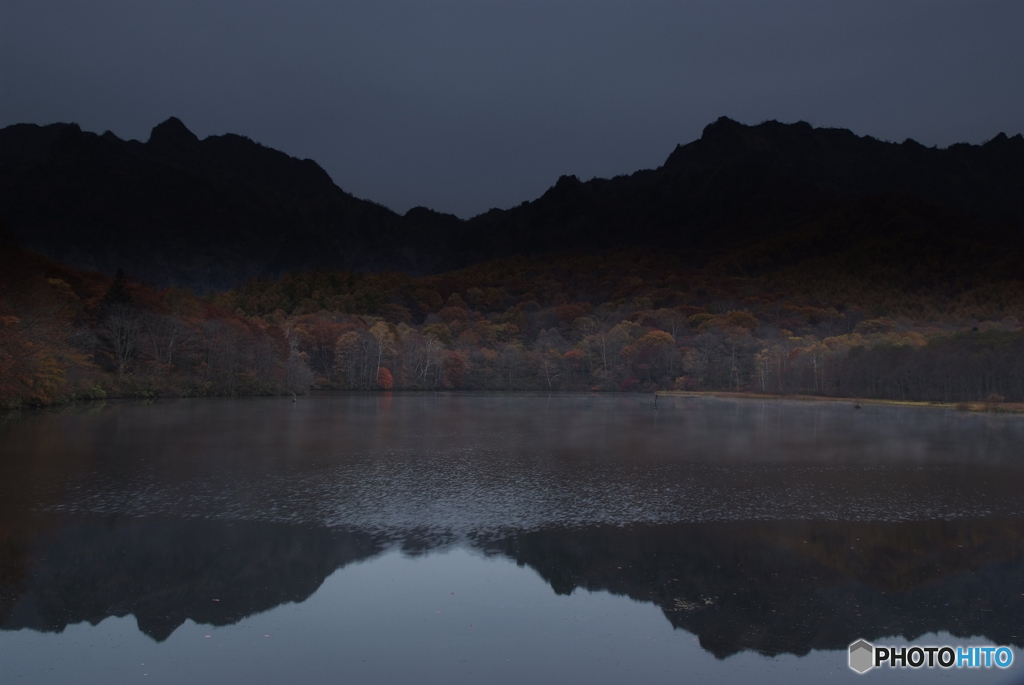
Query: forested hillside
x=623, y=321
x=68, y=334
x=640, y=321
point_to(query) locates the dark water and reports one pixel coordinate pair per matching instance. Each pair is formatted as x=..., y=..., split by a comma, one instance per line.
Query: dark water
x=496, y=538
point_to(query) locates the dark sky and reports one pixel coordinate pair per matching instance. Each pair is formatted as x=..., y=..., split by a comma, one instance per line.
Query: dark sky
x=461, y=106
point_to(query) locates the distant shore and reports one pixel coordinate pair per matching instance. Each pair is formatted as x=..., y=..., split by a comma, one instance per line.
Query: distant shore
x=989, y=407
x=977, y=407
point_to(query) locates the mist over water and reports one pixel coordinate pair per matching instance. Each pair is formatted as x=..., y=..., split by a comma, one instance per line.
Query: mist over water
x=459, y=464
x=763, y=528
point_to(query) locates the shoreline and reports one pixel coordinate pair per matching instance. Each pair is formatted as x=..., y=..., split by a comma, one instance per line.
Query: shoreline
x=976, y=407
x=972, y=407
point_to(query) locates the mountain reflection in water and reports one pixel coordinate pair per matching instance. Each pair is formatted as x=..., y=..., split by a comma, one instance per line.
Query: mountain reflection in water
x=779, y=528
x=771, y=587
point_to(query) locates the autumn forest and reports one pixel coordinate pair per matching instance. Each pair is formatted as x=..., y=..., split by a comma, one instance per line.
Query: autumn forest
x=625, y=322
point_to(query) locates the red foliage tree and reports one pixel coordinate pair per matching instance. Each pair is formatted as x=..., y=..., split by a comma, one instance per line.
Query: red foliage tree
x=385, y=381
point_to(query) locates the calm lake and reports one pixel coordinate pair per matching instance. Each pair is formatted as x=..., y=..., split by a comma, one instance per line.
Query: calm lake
x=458, y=538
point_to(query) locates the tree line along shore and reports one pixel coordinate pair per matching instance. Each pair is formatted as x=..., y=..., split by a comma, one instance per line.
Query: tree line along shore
x=616, y=322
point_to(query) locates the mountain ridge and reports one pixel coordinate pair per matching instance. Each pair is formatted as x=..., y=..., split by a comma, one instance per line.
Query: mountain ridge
x=212, y=213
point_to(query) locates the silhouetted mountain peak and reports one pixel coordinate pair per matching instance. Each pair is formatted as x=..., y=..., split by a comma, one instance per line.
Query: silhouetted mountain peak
x=1004, y=142
x=722, y=127
x=726, y=138
x=172, y=132
x=565, y=187
x=425, y=215
x=769, y=135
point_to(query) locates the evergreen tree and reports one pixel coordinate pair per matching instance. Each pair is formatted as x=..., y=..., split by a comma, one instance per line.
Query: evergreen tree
x=118, y=294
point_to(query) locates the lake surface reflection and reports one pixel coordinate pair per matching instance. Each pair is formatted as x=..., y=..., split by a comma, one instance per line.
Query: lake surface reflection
x=441, y=538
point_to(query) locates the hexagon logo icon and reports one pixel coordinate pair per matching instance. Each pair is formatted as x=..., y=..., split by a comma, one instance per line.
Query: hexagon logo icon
x=861, y=656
